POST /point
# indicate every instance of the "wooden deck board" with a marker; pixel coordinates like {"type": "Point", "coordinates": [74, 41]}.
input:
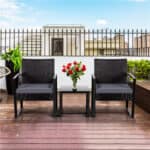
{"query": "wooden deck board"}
{"type": "Point", "coordinates": [36, 129]}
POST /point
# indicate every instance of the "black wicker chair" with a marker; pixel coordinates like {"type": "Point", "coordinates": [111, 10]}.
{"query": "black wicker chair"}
{"type": "Point", "coordinates": [111, 81]}
{"type": "Point", "coordinates": [36, 82]}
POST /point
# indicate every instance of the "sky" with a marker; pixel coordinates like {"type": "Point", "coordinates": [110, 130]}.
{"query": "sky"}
{"type": "Point", "coordinates": [111, 14]}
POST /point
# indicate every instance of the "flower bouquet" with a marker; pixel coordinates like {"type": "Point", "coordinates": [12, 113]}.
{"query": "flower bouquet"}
{"type": "Point", "coordinates": [74, 70]}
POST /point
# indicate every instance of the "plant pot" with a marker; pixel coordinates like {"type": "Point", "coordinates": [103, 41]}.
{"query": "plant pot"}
{"type": "Point", "coordinates": [9, 83]}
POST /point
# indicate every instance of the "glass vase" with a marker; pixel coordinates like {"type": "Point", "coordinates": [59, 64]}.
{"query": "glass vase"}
{"type": "Point", "coordinates": [74, 88]}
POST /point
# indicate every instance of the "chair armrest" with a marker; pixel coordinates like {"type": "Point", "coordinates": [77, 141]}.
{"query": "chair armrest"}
{"type": "Point", "coordinates": [93, 80]}
{"type": "Point", "coordinates": [93, 84]}
{"type": "Point", "coordinates": [131, 76]}
{"type": "Point", "coordinates": [93, 77]}
{"type": "Point", "coordinates": [133, 84]}
{"type": "Point", "coordinates": [54, 77]}
{"type": "Point", "coordinates": [16, 76]}
{"type": "Point", "coordinates": [54, 81]}
{"type": "Point", "coordinates": [15, 82]}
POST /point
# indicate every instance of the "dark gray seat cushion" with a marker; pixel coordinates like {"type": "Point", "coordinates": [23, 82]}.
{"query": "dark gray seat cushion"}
{"type": "Point", "coordinates": [35, 88]}
{"type": "Point", "coordinates": [117, 88]}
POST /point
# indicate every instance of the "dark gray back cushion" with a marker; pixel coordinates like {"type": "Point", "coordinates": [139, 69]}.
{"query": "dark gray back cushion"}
{"type": "Point", "coordinates": [37, 70]}
{"type": "Point", "coordinates": [111, 70]}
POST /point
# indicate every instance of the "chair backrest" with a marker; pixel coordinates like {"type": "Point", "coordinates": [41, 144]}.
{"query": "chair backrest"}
{"type": "Point", "coordinates": [37, 70]}
{"type": "Point", "coordinates": [111, 70]}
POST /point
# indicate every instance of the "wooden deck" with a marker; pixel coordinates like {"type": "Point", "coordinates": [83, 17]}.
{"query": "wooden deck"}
{"type": "Point", "coordinates": [112, 129]}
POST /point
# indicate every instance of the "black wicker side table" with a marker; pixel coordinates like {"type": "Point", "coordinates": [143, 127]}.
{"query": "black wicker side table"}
{"type": "Point", "coordinates": [80, 90]}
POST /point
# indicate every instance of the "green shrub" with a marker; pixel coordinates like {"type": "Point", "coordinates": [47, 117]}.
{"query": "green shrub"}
{"type": "Point", "coordinates": [14, 56]}
{"type": "Point", "coordinates": [140, 68]}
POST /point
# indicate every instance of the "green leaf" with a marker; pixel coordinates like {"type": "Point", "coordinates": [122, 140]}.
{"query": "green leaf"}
{"type": "Point", "coordinates": [15, 56]}
{"type": "Point", "coordinates": [140, 68]}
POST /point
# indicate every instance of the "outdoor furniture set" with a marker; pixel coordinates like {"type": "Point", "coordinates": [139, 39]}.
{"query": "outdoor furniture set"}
{"type": "Point", "coordinates": [111, 81]}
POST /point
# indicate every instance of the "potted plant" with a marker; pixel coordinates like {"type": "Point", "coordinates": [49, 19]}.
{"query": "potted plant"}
{"type": "Point", "coordinates": [13, 60]}
{"type": "Point", "coordinates": [74, 71]}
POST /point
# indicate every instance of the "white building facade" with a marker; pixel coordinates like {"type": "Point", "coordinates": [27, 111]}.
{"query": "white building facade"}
{"type": "Point", "coordinates": [63, 40]}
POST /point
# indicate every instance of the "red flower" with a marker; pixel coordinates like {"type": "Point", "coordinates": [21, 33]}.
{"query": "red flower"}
{"type": "Point", "coordinates": [83, 68]}
{"type": "Point", "coordinates": [63, 70]}
{"type": "Point", "coordinates": [70, 72]}
{"type": "Point", "coordinates": [76, 69]}
{"type": "Point", "coordinates": [69, 64]}
{"type": "Point", "coordinates": [68, 67]}
{"type": "Point", "coordinates": [75, 63]}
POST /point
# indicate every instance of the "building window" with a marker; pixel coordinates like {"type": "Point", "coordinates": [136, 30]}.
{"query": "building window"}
{"type": "Point", "coordinates": [57, 46]}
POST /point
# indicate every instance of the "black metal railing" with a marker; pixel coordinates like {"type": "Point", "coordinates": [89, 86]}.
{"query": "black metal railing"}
{"type": "Point", "coordinates": [76, 42]}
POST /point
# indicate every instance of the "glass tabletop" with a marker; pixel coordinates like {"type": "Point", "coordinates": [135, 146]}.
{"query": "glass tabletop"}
{"type": "Point", "coordinates": [70, 89]}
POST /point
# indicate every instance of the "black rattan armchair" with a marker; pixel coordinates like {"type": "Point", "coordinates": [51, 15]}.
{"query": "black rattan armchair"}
{"type": "Point", "coordinates": [37, 81]}
{"type": "Point", "coordinates": [111, 82]}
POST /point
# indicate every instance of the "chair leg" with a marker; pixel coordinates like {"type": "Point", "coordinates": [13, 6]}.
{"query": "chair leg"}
{"type": "Point", "coordinates": [15, 107]}
{"type": "Point", "coordinates": [127, 102]}
{"type": "Point", "coordinates": [21, 105]}
{"type": "Point", "coordinates": [60, 104]}
{"type": "Point", "coordinates": [133, 108]}
{"type": "Point", "coordinates": [93, 106]}
{"type": "Point", "coordinates": [55, 106]}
